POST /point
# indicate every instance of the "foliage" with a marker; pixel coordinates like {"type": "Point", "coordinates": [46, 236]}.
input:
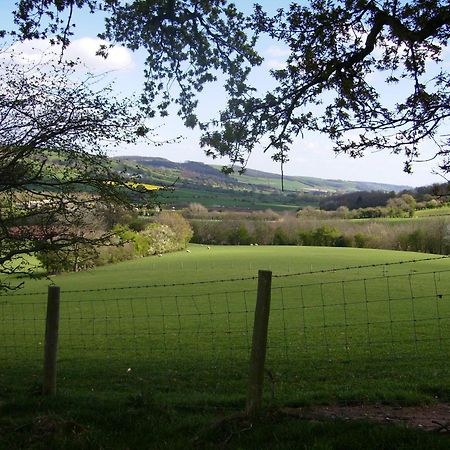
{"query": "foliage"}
{"type": "Point", "coordinates": [112, 254]}
{"type": "Point", "coordinates": [71, 259]}
{"type": "Point", "coordinates": [55, 178]}
{"type": "Point", "coordinates": [195, 209]}
{"type": "Point", "coordinates": [424, 197]}
{"type": "Point", "coordinates": [239, 235]}
{"type": "Point", "coordinates": [171, 232]}
{"type": "Point", "coordinates": [355, 200]}
{"type": "Point", "coordinates": [186, 42]}
{"type": "Point", "coordinates": [321, 236]}
{"type": "Point", "coordinates": [178, 224]}
{"type": "Point", "coordinates": [338, 51]}
{"type": "Point", "coordinates": [345, 58]}
{"type": "Point", "coordinates": [159, 239]}
{"type": "Point", "coordinates": [401, 206]}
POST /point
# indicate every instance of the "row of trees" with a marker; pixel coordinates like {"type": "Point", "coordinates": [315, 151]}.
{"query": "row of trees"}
{"type": "Point", "coordinates": [432, 236]}
{"type": "Point", "coordinates": [401, 206]}
{"type": "Point", "coordinates": [423, 197]}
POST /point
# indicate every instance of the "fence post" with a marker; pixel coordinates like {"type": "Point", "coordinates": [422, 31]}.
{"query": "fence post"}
{"type": "Point", "coordinates": [51, 341]}
{"type": "Point", "coordinates": [259, 343]}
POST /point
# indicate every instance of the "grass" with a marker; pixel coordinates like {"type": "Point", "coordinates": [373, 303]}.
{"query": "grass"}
{"type": "Point", "coordinates": [419, 215]}
{"type": "Point", "coordinates": [442, 211]}
{"type": "Point", "coordinates": [232, 198]}
{"type": "Point", "coordinates": [174, 358]}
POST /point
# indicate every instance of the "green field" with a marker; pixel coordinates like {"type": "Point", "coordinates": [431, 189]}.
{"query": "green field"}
{"type": "Point", "coordinates": [243, 199]}
{"type": "Point", "coordinates": [157, 334]}
{"type": "Point", "coordinates": [435, 212]}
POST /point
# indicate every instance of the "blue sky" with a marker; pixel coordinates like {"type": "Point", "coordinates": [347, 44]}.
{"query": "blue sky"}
{"type": "Point", "coordinates": [310, 156]}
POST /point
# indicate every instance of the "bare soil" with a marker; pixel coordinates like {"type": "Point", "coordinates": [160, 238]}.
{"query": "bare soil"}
{"type": "Point", "coordinates": [434, 417]}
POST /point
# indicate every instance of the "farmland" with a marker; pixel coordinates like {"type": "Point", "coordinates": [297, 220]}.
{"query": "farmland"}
{"type": "Point", "coordinates": [253, 190]}
{"type": "Point", "coordinates": [155, 339]}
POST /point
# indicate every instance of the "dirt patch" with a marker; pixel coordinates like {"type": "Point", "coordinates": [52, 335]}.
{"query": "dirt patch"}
{"type": "Point", "coordinates": [430, 417]}
{"type": "Point", "coordinates": [46, 425]}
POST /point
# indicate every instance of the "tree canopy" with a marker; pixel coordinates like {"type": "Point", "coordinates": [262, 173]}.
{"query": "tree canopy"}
{"type": "Point", "coordinates": [369, 74]}
{"type": "Point", "coordinates": [187, 42]}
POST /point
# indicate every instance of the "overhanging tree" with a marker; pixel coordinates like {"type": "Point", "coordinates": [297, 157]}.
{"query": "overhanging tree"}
{"type": "Point", "coordinates": [369, 74]}
{"type": "Point", "coordinates": [55, 176]}
{"type": "Point", "coordinates": [337, 49]}
{"type": "Point", "coordinates": [187, 42]}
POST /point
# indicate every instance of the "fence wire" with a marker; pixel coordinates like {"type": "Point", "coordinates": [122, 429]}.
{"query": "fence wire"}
{"type": "Point", "coordinates": [378, 317]}
{"type": "Point", "coordinates": [313, 325]}
{"type": "Point", "coordinates": [195, 283]}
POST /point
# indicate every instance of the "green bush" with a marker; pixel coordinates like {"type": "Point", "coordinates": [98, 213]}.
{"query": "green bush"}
{"type": "Point", "coordinates": [114, 254]}
{"type": "Point", "coordinates": [280, 237]}
{"type": "Point", "coordinates": [70, 259]}
{"type": "Point", "coordinates": [239, 235]}
{"type": "Point", "coordinates": [360, 240]}
{"type": "Point", "coordinates": [343, 241]}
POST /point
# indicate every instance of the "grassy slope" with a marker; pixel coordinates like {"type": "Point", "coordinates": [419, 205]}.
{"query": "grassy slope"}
{"type": "Point", "coordinates": [187, 371]}
{"type": "Point", "coordinates": [298, 183]}
{"type": "Point", "coordinates": [201, 183]}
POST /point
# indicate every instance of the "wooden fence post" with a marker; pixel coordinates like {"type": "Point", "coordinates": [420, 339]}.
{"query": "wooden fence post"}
{"type": "Point", "coordinates": [259, 343]}
{"type": "Point", "coordinates": [51, 341]}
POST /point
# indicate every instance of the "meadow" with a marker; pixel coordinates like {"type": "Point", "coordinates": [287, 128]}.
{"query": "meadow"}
{"type": "Point", "coordinates": [164, 339]}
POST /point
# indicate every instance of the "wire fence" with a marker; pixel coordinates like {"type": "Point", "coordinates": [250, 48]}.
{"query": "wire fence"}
{"type": "Point", "coordinates": [377, 317]}
{"type": "Point", "coordinates": [383, 319]}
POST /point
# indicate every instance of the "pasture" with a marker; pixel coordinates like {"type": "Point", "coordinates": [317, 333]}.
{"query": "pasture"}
{"type": "Point", "coordinates": [346, 326]}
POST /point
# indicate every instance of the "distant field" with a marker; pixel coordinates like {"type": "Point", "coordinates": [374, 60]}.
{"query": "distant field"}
{"type": "Point", "coordinates": [445, 211]}
{"type": "Point", "coordinates": [422, 215]}
{"type": "Point", "coordinates": [231, 199]}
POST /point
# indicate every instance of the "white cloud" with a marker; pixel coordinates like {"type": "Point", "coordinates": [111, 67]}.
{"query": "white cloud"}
{"type": "Point", "coordinates": [276, 57]}
{"type": "Point", "coordinates": [275, 64]}
{"type": "Point", "coordinates": [82, 50]}
{"type": "Point", "coordinates": [85, 49]}
{"type": "Point", "coordinates": [275, 51]}
{"type": "Point", "coordinates": [28, 52]}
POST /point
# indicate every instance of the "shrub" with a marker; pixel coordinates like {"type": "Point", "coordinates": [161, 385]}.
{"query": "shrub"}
{"type": "Point", "coordinates": [360, 240]}
{"type": "Point", "coordinates": [413, 241]}
{"type": "Point", "coordinates": [179, 225]}
{"type": "Point", "coordinates": [71, 259]}
{"type": "Point", "coordinates": [160, 239]}
{"type": "Point", "coordinates": [114, 254]}
{"type": "Point", "coordinates": [280, 237]}
{"type": "Point", "coordinates": [239, 235]}
{"type": "Point", "coordinates": [343, 241]}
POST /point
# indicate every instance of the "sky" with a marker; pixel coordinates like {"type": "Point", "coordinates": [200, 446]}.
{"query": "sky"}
{"type": "Point", "coordinates": [310, 156]}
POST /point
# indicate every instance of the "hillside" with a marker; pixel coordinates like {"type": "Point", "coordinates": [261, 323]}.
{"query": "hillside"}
{"type": "Point", "coordinates": [206, 184]}
{"type": "Point", "coordinates": [307, 184]}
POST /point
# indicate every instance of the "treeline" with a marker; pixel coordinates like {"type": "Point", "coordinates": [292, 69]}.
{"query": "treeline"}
{"type": "Point", "coordinates": [401, 206]}
{"type": "Point", "coordinates": [356, 200]}
{"type": "Point", "coordinates": [372, 199]}
{"type": "Point", "coordinates": [430, 236]}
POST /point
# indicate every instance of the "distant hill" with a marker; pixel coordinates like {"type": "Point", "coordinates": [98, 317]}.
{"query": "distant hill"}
{"type": "Point", "coordinates": [206, 184]}
{"type": "Point", "coordinates": [299, 183]}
